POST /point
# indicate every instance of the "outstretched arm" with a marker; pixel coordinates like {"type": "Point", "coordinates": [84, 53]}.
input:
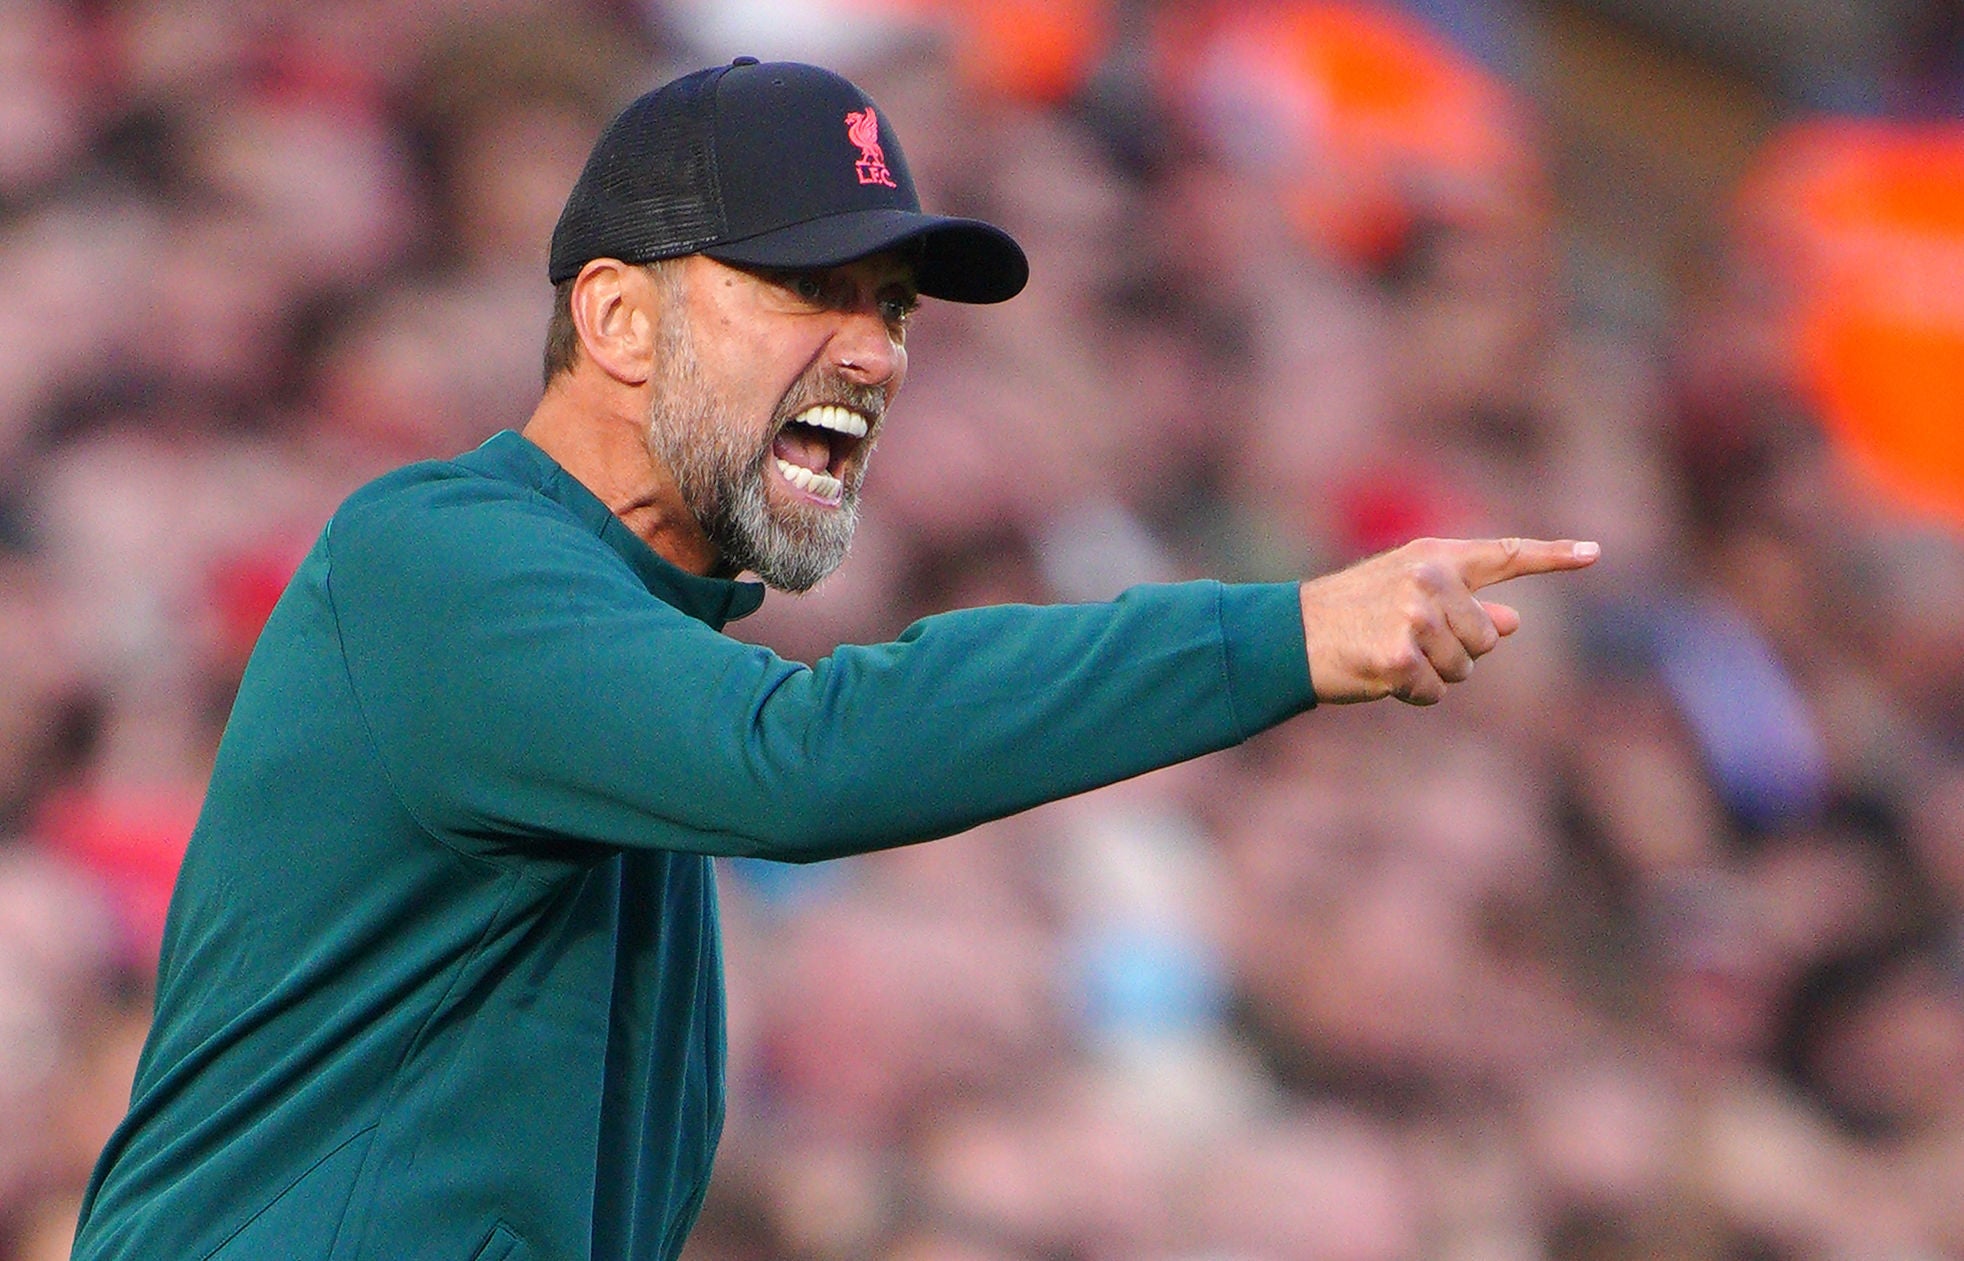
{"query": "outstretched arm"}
{"type": "Point", "coordinates": [1406, 623]}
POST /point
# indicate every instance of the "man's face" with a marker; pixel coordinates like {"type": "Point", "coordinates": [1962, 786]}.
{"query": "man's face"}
{"type": "Point", "coordinates": [767, 400]}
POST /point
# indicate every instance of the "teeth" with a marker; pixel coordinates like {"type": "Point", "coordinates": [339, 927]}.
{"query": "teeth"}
{"type": "Point", "coordinates": [828, 416]}
{"type": "Point", "coordinates": [822, 485]}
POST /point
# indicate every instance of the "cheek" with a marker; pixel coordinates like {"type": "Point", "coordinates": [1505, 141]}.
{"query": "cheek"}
{"type": "Point", "coordinates": [751, 376]}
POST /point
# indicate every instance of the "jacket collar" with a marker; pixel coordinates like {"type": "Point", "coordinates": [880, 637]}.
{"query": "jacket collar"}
{"type": "Point", "coordinates": [514, 458]}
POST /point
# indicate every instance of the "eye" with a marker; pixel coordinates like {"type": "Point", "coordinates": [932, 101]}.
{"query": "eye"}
{"type": "Point", "coordinates": [808, 286]}
{"type": "Point", "coordinates": [896, 307]}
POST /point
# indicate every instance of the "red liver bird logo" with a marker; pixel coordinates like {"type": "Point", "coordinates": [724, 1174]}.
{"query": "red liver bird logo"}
{"type": "Point", "coordinates": [863, 129]}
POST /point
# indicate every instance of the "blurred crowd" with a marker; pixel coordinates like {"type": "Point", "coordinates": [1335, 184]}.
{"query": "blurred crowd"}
{"type": "Point", "coordinates": [1647, 945]}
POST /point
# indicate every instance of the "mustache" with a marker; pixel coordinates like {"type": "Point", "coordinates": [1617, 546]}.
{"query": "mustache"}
{"type": "Point", "coordinates": [868, 400]}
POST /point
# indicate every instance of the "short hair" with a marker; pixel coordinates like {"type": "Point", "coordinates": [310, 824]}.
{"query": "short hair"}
{"type": "Point", "coordinates": [563, 336]}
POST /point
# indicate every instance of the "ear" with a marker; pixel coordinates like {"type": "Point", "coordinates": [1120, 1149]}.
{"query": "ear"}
{"type": "Point", "coordinates": [615, 309]}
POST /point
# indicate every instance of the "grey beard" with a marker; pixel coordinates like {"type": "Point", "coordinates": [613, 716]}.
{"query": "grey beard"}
{"type": "Point", "coordinates": [791, 551]}
{"type": "Point", "coordinates": [723, 485]}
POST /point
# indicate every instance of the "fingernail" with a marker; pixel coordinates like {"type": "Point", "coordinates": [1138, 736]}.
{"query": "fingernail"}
{"type": "Point", "coordinates": [1588, 551]}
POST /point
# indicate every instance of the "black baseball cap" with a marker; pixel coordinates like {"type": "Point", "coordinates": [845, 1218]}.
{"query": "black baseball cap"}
{"type": "Point", "coordinates": [769, 164]}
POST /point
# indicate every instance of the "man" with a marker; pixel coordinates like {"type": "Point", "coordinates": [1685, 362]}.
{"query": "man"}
{"type": "Point", "coordinates": [442, 977]}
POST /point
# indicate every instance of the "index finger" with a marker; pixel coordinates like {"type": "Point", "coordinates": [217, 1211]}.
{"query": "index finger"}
{"type": "Point", "coordinates": [1483, 562]}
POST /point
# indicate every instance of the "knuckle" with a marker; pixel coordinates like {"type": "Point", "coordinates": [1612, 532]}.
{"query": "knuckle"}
{"type": "Point", "coordinates": [1418, 552]}
{"type": "Point", "coordinates": [1402, 662]}
{"type": "Point", "coordinates": [1420, 694]}
{"type": "Point", "coordinates": [1429, 577]}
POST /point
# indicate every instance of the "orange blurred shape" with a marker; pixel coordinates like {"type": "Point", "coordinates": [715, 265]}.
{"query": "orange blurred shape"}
{"type": "Point", "coordinates": [1364, 117]}
{"type": "Point", "coordinates": [1867, 220]}
{"type": "Point", "coordinates": [1040, 51]}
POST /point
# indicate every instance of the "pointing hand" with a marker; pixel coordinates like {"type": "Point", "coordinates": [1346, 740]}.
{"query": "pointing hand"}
{"type": "Point", "coordinates": [1406, 623]}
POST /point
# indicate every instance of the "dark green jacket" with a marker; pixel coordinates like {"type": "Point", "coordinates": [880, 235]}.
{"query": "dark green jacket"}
{"type": "Point", "coordinates": [442, 979]}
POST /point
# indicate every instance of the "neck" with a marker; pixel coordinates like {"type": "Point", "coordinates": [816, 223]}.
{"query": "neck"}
{"type": "Point", "coordinates": [593, 435]}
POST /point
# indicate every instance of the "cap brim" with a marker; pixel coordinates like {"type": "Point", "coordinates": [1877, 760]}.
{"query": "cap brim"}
{"type": "Point", "coordinates": [962, 260]}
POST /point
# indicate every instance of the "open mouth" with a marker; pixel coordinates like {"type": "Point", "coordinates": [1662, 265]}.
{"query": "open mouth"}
{"type": "Point", "coordinates": [813, 447]}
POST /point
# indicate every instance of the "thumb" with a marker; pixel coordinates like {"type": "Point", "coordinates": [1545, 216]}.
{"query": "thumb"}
{"type": "Point", "coordinates": [1506, 619]}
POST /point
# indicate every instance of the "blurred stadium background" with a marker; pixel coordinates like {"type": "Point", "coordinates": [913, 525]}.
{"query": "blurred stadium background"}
{"type": "Point", "coordinates": [1646, 945]}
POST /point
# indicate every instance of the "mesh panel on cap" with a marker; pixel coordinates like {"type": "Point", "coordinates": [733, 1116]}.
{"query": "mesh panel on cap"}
{"type": "Point", "coordinates": [650, 189]}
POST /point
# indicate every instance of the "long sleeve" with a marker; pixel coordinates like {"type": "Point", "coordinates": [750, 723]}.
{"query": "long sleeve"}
{"type": "Point", "coordinates": [522, 683]}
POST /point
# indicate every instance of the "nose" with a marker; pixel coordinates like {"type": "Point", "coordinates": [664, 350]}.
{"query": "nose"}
{"type": "Point", "coordinates": [868, 351]}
